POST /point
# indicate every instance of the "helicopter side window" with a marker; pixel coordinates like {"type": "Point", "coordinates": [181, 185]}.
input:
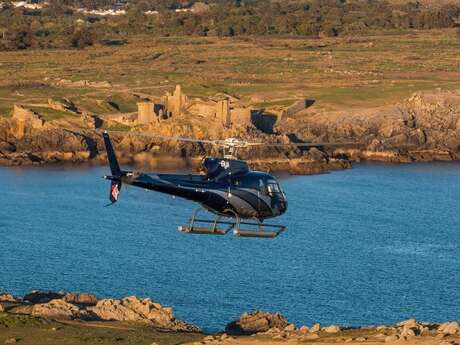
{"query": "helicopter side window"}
{"type": "Point", "coordinates": [263, 187]}
{"type": "Point", "coordinates": [237, 182]}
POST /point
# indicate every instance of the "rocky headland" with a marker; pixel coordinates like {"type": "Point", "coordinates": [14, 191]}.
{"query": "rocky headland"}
{"type": "Point", "coordinates": [76, 318]}
{"type": "Point", "coordinates": [425, 127]}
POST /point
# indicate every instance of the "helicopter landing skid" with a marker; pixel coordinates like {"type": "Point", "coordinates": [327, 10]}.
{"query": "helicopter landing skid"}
{"type": "Point", "coordinates": [222, 227]}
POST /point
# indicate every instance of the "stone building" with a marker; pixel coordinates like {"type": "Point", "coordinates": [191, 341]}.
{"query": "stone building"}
{"type": "Point", "coordinates": [175, 102]}
{"type": "Point", "coordinates": [146, 113]}
{"type": "Point", "coordinates": [221, 112]}
{"type": "Point", "coordinates": [25, 118]}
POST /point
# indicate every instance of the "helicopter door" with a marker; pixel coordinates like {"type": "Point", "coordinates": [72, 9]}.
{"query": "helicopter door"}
{"type": "Point", "coordinates": [263, 187]}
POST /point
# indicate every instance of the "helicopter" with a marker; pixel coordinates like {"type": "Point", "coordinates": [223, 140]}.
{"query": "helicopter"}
{"type": "Point", "coordinates": [240, 199]}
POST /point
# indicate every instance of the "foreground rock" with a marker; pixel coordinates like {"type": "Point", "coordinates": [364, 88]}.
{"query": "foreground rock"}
{"type": "Point", "coordinates": [139, 310]}
{"type": "Point", "coordinates": [264, 328]}
{"type": "Point", "coordinates": [255, 322]}
{"type": "Point", "coordinates": [86, 307]}
{"type": "Point", "coordinates": [6, 297]}
{"type": "Point", "coordinates": [60, 309]}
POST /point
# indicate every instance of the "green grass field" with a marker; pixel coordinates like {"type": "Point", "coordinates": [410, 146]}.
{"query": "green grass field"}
{"type": "Point", "coordinates": [336, 72]}
{"type": "Point", "coordinates": [29, 330]}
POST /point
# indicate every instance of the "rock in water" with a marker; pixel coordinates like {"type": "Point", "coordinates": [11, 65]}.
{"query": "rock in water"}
{"type": "Point", "coordinates": [256, 322]}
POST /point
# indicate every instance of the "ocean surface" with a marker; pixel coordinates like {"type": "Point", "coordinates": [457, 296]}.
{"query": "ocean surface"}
{"type": "Point", "coordinates": [372, 245]}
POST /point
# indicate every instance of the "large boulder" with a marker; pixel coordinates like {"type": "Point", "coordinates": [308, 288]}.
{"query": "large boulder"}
{"type": "Point", "coordinates": [58, 309]}
{"type": "Point", "coordinates": [255, 322]}
{"type": "Point", "coordinates": [82, 299]}
{"type": "Point", "coordinates": [140, 310]}
{"type": "Point", "coordinates": [6, 297]}
{"type": "Point", "coordinates": [449, 328]}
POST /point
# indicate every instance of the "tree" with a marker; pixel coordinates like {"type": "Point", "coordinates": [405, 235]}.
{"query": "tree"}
{"type": "Point", "coordinates": [81, 37]}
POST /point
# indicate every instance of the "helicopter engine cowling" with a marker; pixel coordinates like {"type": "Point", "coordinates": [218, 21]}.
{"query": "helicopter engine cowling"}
{"type": "Point", "coordinates": [219, 168]}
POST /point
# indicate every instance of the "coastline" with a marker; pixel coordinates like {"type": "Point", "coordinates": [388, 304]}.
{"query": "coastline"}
{"type": "Point", "coordinates": [59, 317]}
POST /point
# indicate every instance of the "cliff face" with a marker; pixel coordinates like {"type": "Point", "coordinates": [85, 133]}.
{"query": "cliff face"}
{"type": "Point", "coordinates": [423, 128]}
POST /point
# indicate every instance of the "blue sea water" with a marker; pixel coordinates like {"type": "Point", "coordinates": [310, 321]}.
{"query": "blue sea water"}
{"type": "Point", "coordinates": [370, 245]}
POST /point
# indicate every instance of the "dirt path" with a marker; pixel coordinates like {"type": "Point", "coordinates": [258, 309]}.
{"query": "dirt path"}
{"type": "Point", "coordinates": [97, 324]}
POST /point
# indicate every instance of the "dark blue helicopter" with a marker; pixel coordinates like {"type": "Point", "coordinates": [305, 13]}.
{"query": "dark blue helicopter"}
{"type": "Point", "coordinates": [228, 188]}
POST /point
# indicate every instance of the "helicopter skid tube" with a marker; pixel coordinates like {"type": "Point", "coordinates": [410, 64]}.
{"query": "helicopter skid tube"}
{"type": "Point", "coordinates": [201, 230]}
{"type": "Point", "coordinates": [220, 227]}
{"type": "Point", "coordinates": [262, 231]}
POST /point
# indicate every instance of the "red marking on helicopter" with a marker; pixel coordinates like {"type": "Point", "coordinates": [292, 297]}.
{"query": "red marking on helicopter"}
{"type": "Point", "coordinates": [115, 191]}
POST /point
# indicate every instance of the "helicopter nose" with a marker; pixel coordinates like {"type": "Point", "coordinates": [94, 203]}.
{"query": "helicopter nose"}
{"type": "Point", "coordinates": [283, 206]}
{"type": "Point", "coordinates": [280, 206]}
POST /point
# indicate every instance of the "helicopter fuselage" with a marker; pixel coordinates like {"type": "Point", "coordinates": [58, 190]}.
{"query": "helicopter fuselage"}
{"type": "Point", "coordinates": [249, 194]}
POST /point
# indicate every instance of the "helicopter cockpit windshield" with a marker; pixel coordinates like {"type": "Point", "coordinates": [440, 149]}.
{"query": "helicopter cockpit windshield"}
{"type": "Point", "coordinates": [273, 187]}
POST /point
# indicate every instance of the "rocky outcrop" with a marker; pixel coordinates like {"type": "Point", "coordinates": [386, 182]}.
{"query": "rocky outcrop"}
{"type": "Point", "coordinates": [424, 127]}
{"type": "Point", "coordinates": [256, 322]}
{"type": "Point", "coordinates": [84, 306]}
{"type": "Point", "coordinates": [60, 309]}
{"type": "Point", "coordinates": [449, 328]}
{"type": "Point", "coordinates": [140, 310]}
{"type": "Point", "coordinates": [6, 297]}
{"type": "Point", "coordinates": [82, 299]}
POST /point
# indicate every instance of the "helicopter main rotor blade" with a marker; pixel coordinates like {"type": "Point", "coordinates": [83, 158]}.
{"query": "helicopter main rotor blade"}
{"type": "Point", "coordinates": [232, 142]}
{"type": "Point", "coordinates": [301, 144]}
{"type": "Point", "coordinates": [166, 138]}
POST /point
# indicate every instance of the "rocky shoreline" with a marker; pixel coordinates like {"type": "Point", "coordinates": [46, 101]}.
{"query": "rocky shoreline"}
{"type": "Point", "coordinates": [257, 327]}
{"type": "Point", "coordinates": [425, 127]}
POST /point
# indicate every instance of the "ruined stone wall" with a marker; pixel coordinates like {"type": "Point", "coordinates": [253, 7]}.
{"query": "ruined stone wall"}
{"type": "Point", "coordinates": [176, 102]}
{"type": "Point", "coordinates": [297, 107]}
{"type": "Point", "coordinates": [23, 118]}
{"type": "Point", "coordinates": [241, 116]}
{"type": "Point", "coordinates": [203, 108]}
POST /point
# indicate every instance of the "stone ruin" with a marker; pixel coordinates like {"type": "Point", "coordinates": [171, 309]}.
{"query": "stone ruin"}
{"type": "Point", "coordinates": [178, 104]}
{"type": "Point", "coordinates": [63, 105]}
{"type": "Point", "coordinates": [222, 111]}
{"type": "Point", "coordinates": [24, 118]}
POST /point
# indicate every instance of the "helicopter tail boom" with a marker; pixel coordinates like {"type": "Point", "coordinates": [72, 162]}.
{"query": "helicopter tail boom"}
{"type": "Point", "coordinates": [117, 173]}
{"type": "Point", "coordinates": [112, 158]}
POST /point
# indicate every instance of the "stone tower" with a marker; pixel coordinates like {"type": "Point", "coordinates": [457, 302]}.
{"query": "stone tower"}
{"type": "Point", "coordinates": [223, 112]}
{"type": "Point", "coordinates": [145, 113]}
{"type": "Point", "coordinates": [175, 103]}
